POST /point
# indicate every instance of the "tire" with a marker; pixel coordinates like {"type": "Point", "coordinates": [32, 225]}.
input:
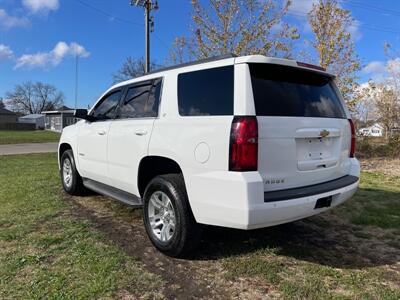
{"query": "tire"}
{"type": "Point", "coordinates": [184, 236]}
{"type": "Point", "coordinates": [70, 178]}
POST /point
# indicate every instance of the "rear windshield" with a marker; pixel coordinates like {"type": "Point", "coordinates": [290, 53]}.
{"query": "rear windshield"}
{"type": "Point", "coordinates": [292, 92]}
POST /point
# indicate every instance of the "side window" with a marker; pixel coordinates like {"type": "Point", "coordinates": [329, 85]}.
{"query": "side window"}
{"type": "Point", "coordinates": [206, 92]}
{"type": "Point", "coordinates": [141, 100]}
{"type": "Point", "coordinates": [106, 109]}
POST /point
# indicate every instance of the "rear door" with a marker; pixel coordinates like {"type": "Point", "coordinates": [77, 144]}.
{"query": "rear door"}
{"type": "Point", "coordinates": [130, 133]}
{"type": "Point", "coordinates": [304, 133]}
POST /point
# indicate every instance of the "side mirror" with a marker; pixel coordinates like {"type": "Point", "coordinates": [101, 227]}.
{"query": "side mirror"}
{"type": "Point", "coordinates": [83, 114]}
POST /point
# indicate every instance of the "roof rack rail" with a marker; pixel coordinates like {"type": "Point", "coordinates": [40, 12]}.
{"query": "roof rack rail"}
{"type": "Point", "coordinates": [192, 63]}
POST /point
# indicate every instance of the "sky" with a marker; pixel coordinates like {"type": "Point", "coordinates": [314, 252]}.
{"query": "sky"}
{"type": "Point", "coordinates": [39, 39]}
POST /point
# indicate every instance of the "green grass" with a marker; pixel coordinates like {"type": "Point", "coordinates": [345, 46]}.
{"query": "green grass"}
{"type": "Point", "coordinates": [377, 203]}
{"type": "Point", "coordinates": [351, 252]}
{"type": "Point", "coordinates": [21, 136]}
{"type": "Point", "coordinates": [47, 253]}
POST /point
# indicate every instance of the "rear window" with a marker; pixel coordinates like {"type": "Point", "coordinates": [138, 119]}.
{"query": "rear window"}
{"type": "Point", "coordinates": [292, 92]}
{"type": "Point", "coordinates": [206, 92]}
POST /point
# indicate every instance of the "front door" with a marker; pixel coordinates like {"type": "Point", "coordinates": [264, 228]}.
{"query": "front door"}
{"type": "Point", "coordinates": [93, 139]}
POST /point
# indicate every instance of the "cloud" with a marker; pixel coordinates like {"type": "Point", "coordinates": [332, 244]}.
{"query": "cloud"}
{"type": "Point", "coordinates": [302, 6]}
{"type": "Point", "coordinates": [354, 30]}
{"type": "Point", "coordinates": [53, 58]}
{"type": "Point", "coordinates": [393, 65]}
{"type": "Point", "coordinates": [5, 52]}
{"type": "Point", "coordinates": [299, 9]}
{"type": "Point", "coordinates": [379, 70]}
{"type": "Point", "coordinates": [375, 67]}
{"type": "Point", "coordinates": [7, 21]}
{"type": "Point", "coordinates": [41, 6]}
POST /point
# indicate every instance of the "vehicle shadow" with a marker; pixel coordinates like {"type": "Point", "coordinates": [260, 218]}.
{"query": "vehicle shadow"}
{"type": "Point", "coordinates": [328, 239]}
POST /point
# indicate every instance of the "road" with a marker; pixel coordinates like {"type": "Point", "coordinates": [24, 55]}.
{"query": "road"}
{"type": "Point", "coordinates": [28, 148]}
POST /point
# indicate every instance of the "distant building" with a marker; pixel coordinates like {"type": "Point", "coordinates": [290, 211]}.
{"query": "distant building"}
{"type": "Point", "coordinates": [56, 120]}
{"type": "Point", "coordinates": [36, 119]}
{"type": "Point", "coordinates": [7, 116]}
{"type": "Point", "coordinates": [375, 130]}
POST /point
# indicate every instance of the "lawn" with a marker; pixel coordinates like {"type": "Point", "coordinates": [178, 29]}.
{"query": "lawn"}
{"type": "Point", "coordinates": [56, 246]}
{"type": "Point", "coordinates": [22, 136]}
{"type": "Point", "coordinates": [45, 252]}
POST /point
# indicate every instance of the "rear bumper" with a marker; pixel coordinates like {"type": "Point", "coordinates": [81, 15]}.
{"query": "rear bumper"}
{"type": "Point", "coordinates": [237, 200]}
{"type": "Point", "coordinates": [284, 211]}
{"type": "Point", "coordinates": [310, 190]}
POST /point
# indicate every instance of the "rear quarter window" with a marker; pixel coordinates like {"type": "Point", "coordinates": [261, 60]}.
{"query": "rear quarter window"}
{"type": "Point", "coordinates": [292, 92]}
{"type": "Point", "coordinates": [206, 92]}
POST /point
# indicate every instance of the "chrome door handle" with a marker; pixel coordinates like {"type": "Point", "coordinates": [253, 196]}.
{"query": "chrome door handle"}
{"type": "Point", "coordinates": [101, 132]}
{"type": "Point", "coordinates": [140, 132]}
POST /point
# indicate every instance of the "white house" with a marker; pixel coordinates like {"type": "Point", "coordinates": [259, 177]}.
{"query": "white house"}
{"type": "Point", "coordinates": [375, 130]}
{"type": "Point", "coordinates": [56, 120]}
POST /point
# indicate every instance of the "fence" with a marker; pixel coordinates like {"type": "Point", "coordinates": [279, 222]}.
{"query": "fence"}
{"type": "Point", "coordinates": [17, 126]}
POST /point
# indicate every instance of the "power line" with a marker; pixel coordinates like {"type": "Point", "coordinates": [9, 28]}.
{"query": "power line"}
{"type": "Point", "coordinates": [372, 27]}
{"type": "Point", "coordinates": [370, 7]}
{"type": "Point", "coordinates": [103, 12]}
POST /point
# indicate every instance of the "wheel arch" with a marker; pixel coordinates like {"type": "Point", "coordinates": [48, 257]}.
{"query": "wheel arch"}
{"type": "Point", "coordinates": [152, 166]}
{"type": "Point", "coordinates": [61, 149]}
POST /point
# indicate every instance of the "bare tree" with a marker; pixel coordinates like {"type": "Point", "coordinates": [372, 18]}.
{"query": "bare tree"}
{"type": "Point", "coordinates": [239, 27]}
{"type": "Point", "coordinates": [131, 68]}
{"type": "Point", "coordinates": [181, 51]}
{"type": "Point", "coordinates": [2, 105]}
{"type": "Point", "coordinates": [335, 46]}
{"type": "Point", "coordinates": [365, 108]}
{"type": "Point", "coordinates": [31, 98]}
{"type": "Point", "coordinates": [388, 108]}
{"type": "Point", "coordinates": [393, 68]}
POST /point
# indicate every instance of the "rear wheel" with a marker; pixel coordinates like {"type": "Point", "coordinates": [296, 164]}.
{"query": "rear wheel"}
{"type": "Point", "coordinates": [168, 218]}
{"type": "Point", "coordinates": [71, 180]}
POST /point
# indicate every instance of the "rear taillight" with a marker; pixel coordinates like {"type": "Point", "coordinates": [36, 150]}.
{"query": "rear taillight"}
{"type": "Point", "coordinates": [353, 139]}
{"type": "Point", "coordinates": [243, 152]}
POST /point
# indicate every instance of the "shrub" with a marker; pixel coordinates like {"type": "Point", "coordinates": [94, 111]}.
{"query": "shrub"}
{"type": "Point", "coordinates": [372, 147]}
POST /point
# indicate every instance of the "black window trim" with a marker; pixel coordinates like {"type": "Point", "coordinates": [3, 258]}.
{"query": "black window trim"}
{"type": "Point", "coordinates": [134, 84]}
{"type": "Point", "coordinates": [113, 91]}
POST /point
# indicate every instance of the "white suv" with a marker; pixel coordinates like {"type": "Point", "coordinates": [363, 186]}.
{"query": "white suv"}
{"type": "Point", "coordinates": [241, 142]}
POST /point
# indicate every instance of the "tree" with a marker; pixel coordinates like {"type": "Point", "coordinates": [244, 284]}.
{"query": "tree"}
{"type": "Point", "coordinates": [33, 98]}
{"type": "Point", "coordinates": [131, 68]}
{"type": "Point", "coordinates": [334, 45]}
{"type": "Point", "coordinates": [2, 105]}
{"type": "Point", "coordinates": [393, 67]}
{"type": "Point", "coordinates": [239, 27]}
{"type": "Point", "coordinates": [379, 102]}
{"type": "Point", "coordinates": [365, 108]}
{"type": "Point", "coordinates": [388, 108]}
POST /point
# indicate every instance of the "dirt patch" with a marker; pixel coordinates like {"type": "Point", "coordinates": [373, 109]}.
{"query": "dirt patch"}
{"type": "Point", "coordinates": [387, 166]}
{"type": "Point", "coordinates": [184, 279]}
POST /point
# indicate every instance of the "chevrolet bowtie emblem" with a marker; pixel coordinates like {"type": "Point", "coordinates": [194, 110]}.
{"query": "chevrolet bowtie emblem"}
{"type": "Point", "coordinates": [324, 133]}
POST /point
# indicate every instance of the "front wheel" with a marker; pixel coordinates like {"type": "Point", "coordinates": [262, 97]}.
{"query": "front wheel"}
{"type": "Point", "coordinates": [71, 180]}
{"type": "Point", "coordinates": [168, 218]}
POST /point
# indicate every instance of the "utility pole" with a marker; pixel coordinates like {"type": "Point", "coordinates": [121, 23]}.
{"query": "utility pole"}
{"type": "Point", "coordinates": [76, 80]}
{"type": "Point", "coordinates": [148, 6]}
